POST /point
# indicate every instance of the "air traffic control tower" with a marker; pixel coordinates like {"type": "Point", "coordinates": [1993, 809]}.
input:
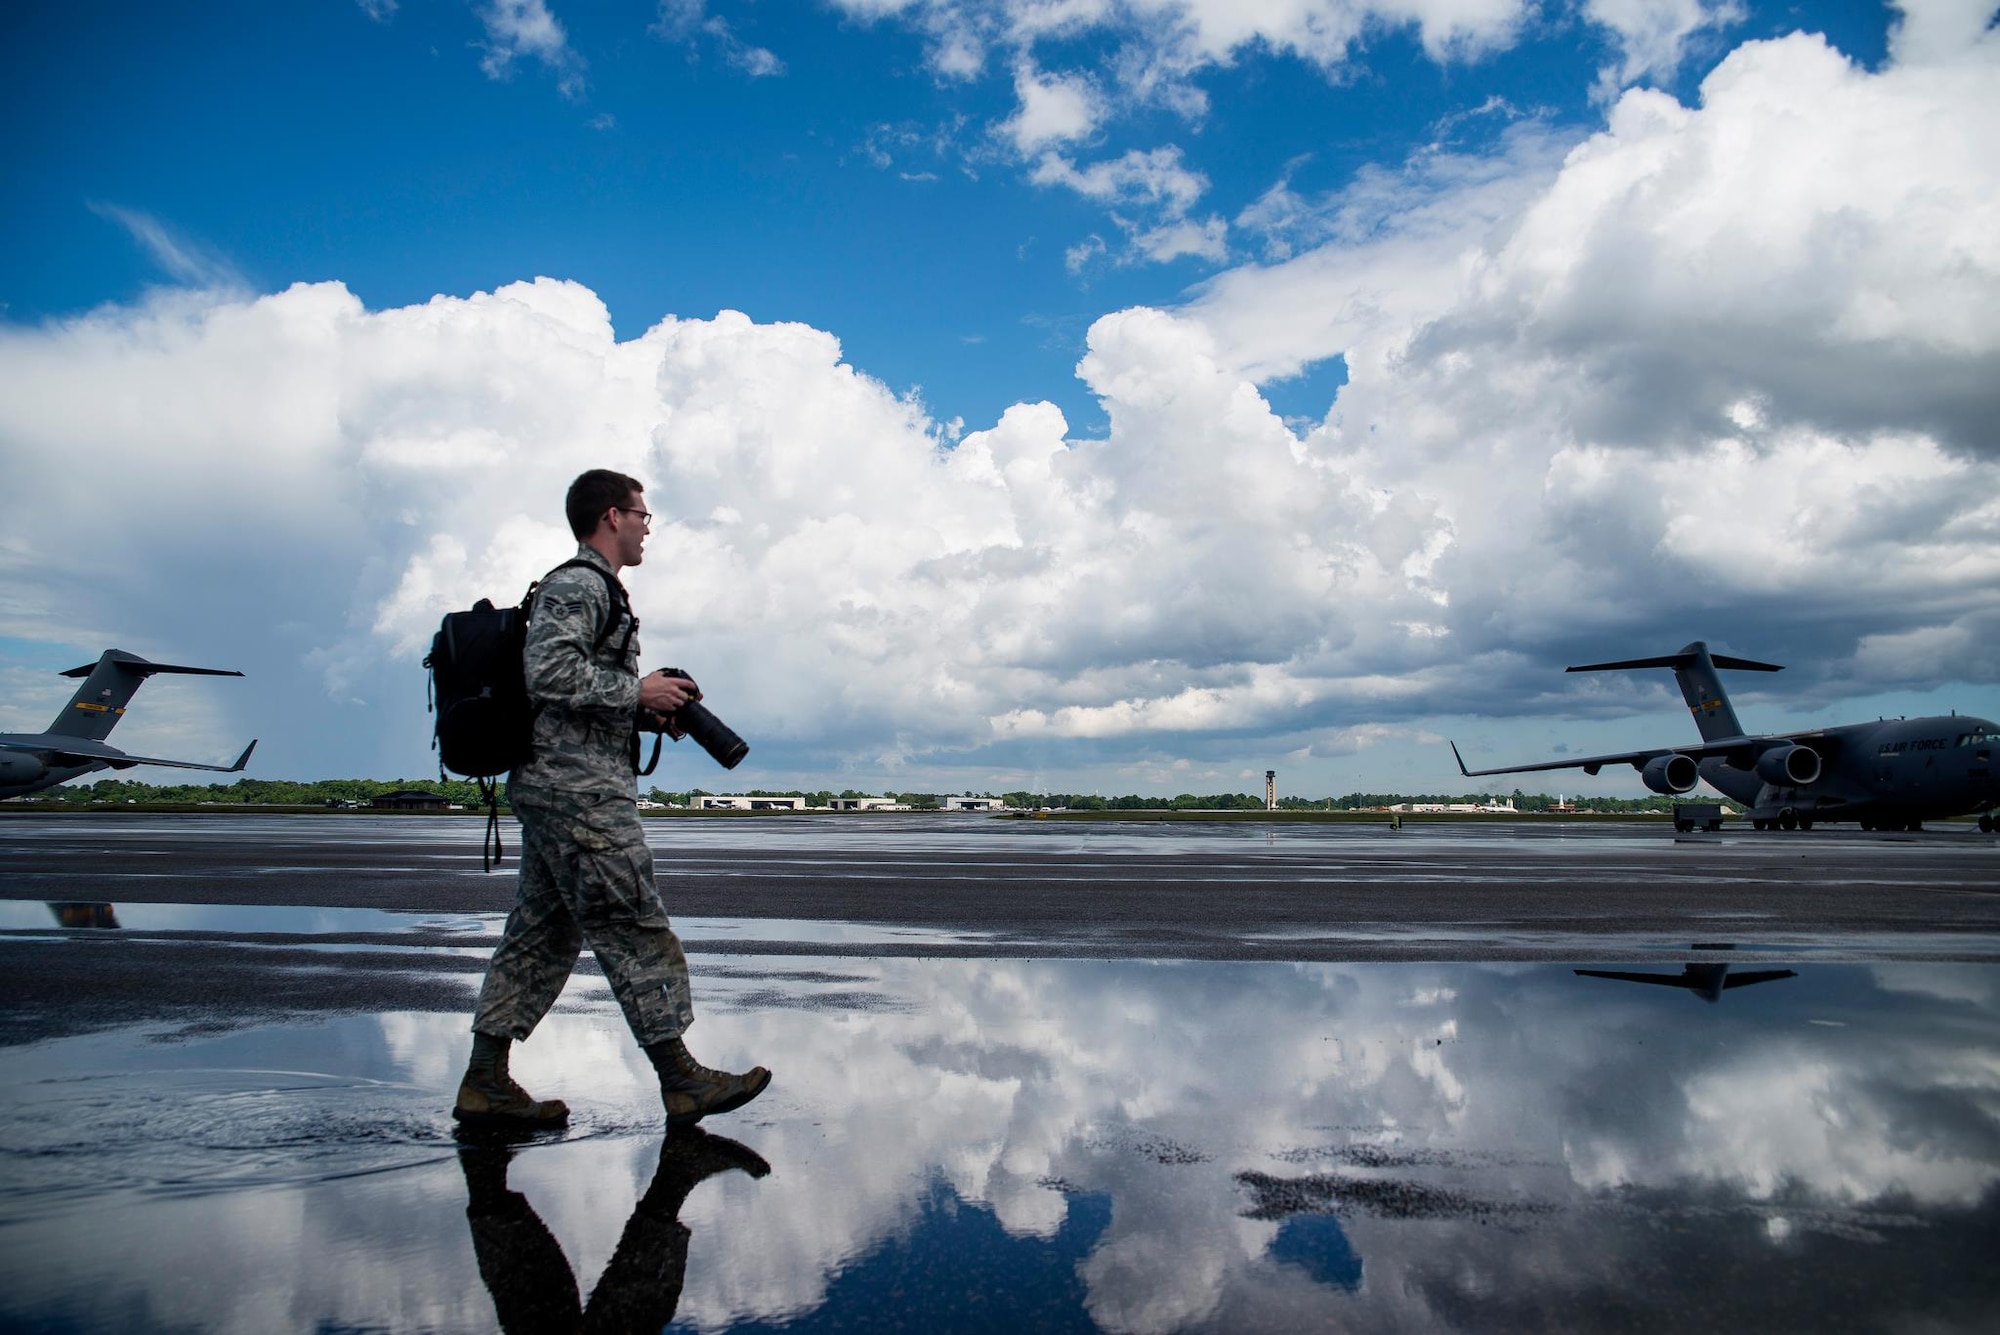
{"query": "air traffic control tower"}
{"type": "Point", "coordinates": [1270, 790]}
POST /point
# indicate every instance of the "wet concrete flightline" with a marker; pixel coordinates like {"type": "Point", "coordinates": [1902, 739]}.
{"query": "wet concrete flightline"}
{"type": "Point", "coordinates": [1131, 889]}
{"type": "Point", "coordinates": [1095, 1077]}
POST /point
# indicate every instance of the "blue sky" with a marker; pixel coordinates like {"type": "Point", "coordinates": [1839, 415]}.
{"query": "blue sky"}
{"type": "Point", "coordinates": [1525, 223]}
{"type": "Point", "coordinates": [288, 143]}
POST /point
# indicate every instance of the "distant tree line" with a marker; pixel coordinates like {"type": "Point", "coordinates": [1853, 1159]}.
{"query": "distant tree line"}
{"type": "Point", "coordinates": [340, 792]}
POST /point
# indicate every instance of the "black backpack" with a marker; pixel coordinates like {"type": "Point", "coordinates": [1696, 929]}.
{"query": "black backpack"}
{"type": "Point", "coordinates": [478, 690]}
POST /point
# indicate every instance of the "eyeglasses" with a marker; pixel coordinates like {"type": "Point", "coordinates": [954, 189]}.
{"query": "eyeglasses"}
{"type": "Point", "coordinates": [645, 516]}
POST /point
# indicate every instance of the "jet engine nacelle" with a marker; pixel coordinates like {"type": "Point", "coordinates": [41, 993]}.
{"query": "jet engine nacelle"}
{"type": "Point", "coordinates": [1791, 766]}
{"type": "Point", "coordinates": [1670, 774]}
{"type": "Point", "coordinates": [21, 767]}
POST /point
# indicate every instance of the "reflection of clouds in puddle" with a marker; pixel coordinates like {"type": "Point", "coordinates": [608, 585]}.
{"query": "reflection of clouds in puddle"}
{"type": "Point", "coordinates": [235, 1255]}
{"type": "Point", "coordinates": [1470, 1131]}
{"type": "Point", "coordinates": [1155, 1084]}
{"type": "Point", "coordinates": [416, 1043]}
{"type": "Point", "coordinates": [856, 1131]}
{"type": "Point", "coordinates": [1970, 984]}
{"type": "Point", "coordinates": [1796, 1117]}
{"type": "Point", "coordinates": [1886, 1108]}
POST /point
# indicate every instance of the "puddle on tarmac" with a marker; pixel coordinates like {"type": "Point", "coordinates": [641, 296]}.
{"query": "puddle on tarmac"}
{"type": "Point", "coordinates": [999, 1144]}
{"type": "Point", "coordinates": [30, 916]}
{"type": "Point", "coordinates": [237, 919]}
{"type": "Point", "coordinates": [418, 839]}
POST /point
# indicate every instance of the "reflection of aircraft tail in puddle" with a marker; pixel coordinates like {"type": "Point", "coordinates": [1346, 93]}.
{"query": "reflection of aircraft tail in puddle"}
{"type": "Point", "coordinates": [84, 915]}
{"type": "Point", "coordinates": [530, 1279]}
{"type": "Point", "coordinates": [1707, 979]}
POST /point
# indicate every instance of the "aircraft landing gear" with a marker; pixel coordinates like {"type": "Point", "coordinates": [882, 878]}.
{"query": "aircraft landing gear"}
{"type": "Point", "coordinates": [1986, 823]}
{"type": "Point", "coordinates": [1788, 819]}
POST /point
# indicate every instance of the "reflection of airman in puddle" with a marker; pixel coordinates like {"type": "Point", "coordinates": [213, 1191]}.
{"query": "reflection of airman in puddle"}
{"type": "Point", "coordinates": [525, 1270]}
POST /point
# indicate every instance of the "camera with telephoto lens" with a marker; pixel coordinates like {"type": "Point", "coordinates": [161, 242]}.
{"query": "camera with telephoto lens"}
{"type": "Point", "coordinates": [693, 719]}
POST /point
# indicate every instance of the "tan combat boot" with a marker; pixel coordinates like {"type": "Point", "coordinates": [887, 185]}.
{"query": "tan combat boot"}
{"type": "Point", "coordinates": [488, 1096]}
{"type": "Point", "coordinates": [692, 1091]}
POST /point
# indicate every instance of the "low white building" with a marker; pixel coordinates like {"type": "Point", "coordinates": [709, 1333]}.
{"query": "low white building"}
{"type": "Point", "coordinates": [1458, 808]}
{"type": "Point", "coordinates": [973, 804]}
{"type": "Point", "coordinates": [865, 804]}
{"type": "Point", "coordinates": [728, 802]}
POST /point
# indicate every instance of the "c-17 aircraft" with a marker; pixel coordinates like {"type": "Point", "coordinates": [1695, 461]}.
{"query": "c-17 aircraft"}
{"type": "Point", "coordinates": [1893, 774]}
{"type": "Point", "coordinates": [74, 743]}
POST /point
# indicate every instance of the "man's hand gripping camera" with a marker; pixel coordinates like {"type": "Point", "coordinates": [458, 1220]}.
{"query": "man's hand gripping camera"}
{"type": "Point", "coordinates": [693, 719]}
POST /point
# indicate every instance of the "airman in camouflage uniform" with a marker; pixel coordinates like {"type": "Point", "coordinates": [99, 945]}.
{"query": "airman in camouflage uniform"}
{"type": "Point", "coordinates": [586, 872]}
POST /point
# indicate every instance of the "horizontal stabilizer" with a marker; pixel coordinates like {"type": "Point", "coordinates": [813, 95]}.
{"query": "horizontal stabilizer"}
{"type": "Point", "coordinates": [1679, 660]}
{"type": "Point", "coordinates": [140, 667]}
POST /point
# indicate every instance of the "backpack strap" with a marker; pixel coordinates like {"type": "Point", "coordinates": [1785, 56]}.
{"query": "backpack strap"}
{"type": "Point", "coordinates": [620, 601]}
{"type": "Point", "coordinates": [490, 851]}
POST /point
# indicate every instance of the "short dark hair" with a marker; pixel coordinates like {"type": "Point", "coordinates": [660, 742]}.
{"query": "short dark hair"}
{"type": "Point", "coordinates": [592, 494]}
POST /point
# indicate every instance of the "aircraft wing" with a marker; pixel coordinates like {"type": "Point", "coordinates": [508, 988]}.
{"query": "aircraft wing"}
{"type": "Point", "coordinates": [77, 751]}
{"type": "Point", "coordinates": [1589, 764]}
{"type": "Point", "coordinates": [1739, 750]}
{"type": "Point", "coordinates": [235, 767]}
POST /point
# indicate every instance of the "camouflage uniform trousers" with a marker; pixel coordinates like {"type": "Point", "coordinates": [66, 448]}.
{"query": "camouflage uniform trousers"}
{"type": "Point", "coordinates": [586, 879]}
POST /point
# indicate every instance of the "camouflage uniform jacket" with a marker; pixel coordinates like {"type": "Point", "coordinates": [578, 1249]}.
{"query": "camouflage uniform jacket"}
{"type": "Point", "coordinates": [588, 696]}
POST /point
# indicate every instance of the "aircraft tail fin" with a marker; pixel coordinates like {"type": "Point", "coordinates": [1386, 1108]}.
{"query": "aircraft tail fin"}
{"type": "Point", "coordinates": [108, 685]}
{"type": "Point", "coordinates": [1694, 669]}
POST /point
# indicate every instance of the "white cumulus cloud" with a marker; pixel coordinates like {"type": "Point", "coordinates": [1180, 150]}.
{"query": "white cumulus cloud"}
{"type": "Point", "coordinates": [1719, 368]}
{"type": "Point", "coordinates": [1149, 194]}
{"type": "Point", "coordinates": [688, 21]}
{"type": "Point", "coordinates": [1055, 108]}
{"type": "Point", "coordinates": [1653, 35]}
{"type": "Point", "coordinates": [516, 28]}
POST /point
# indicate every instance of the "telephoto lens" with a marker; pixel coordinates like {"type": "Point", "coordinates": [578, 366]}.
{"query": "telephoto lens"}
{"type": "Point", "coordinates": [715, 736]}
{"type": "Point", "coordinates": [694, 720]}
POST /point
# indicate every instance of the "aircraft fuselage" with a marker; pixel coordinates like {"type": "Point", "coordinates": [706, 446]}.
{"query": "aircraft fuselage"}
{"type": "Point", "coordinates": [1890, 773]}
